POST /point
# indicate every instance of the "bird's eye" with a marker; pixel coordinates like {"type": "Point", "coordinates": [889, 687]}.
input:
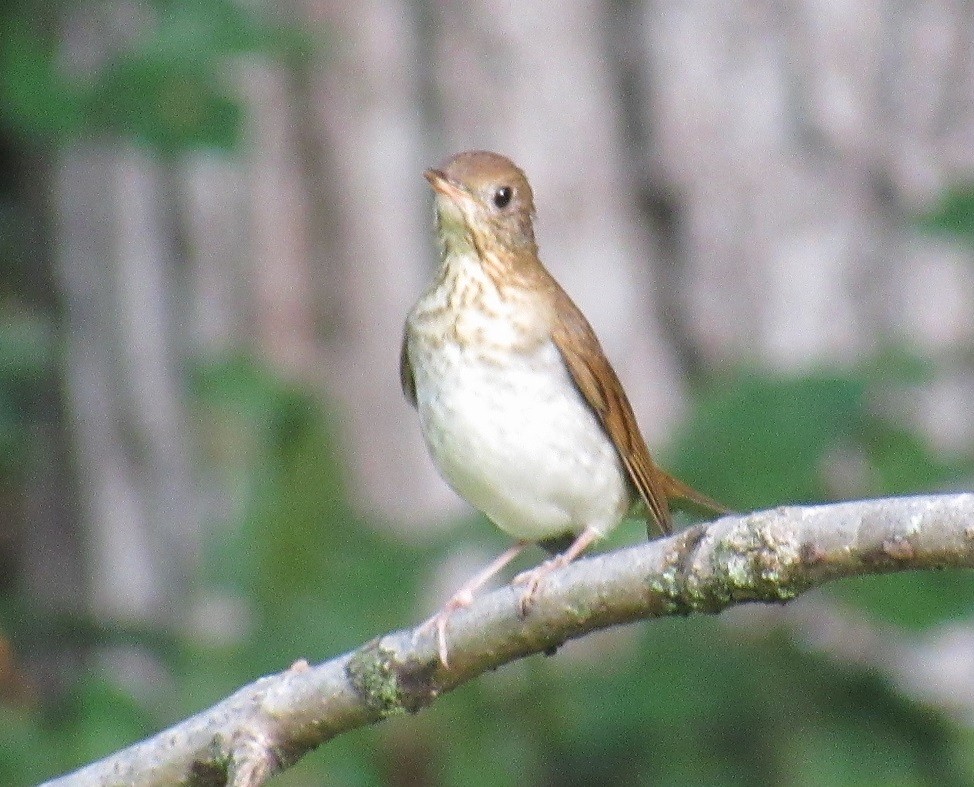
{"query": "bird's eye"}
{"type": "Point", "coordinates": [502, 196]}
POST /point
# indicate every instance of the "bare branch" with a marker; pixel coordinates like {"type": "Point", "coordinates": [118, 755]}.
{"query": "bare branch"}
{"type": "Point", "coordinates": [769, 556]}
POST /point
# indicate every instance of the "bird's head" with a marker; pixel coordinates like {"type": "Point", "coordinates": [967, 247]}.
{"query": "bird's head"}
{"type": "Point", "coordinates": [483, 200]}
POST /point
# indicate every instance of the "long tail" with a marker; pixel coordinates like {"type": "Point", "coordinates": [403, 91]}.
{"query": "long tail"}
{"type": "Point", "coordinates": [677, 490]}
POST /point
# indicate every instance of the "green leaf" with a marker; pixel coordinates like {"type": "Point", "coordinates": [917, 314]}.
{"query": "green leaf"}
{"type": "Point", "coordinates": [171, 105]}
{"type": "Point", "coordinates": [37, 100]}
{"type": "Point", "coordinates": [953, 214]}
{"type": "Point", "coordinates": [168, 86]}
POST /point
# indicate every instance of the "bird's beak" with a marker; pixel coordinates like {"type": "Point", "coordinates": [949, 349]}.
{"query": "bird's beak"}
{"type": "Point", "coordinates": [443, 185]}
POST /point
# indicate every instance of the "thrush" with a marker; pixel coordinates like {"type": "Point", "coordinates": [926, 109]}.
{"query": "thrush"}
{"type": "Point", "coordinates": [519, 406]}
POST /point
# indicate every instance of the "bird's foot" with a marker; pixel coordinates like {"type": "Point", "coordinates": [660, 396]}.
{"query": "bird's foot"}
{"type": "Point", "coordinates": [461, 600]}
{"type": "Point", "coordinates": [532, 579]}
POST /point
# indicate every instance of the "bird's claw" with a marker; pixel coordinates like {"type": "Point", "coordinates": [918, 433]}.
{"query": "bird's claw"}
{"type": "Point", "coordinates": [461, 600]}
{"type": "Point", "coordinates": [532, 580]}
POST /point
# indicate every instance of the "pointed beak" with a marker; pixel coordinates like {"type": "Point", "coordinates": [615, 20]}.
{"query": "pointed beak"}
{"type": "Point", "coordinates": [443, 185]}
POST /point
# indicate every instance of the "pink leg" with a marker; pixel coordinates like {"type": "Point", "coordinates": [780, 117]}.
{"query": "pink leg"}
{"type": "Point", "coordinates": [533, 578]}
{"type": "Point", "coordinates": [464, 597]}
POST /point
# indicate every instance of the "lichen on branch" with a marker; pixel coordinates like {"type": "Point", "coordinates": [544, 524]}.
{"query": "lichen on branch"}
{"type": "Point", "coordinates": [767, 556]}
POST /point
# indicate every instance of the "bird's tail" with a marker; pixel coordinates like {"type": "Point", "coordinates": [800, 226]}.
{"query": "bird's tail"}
{"type": "Point", "coordinates": [677, 490]}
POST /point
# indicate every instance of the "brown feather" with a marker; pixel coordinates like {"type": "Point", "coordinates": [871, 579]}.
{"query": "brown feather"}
{"type": "Point", "coordinates": [599, 384]}
{"type": "Point", "coordinates": [678, 490]}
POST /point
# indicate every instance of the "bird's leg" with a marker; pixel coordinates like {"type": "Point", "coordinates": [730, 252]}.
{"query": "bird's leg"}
{"type": "Point", "coordinates": [533, 578]}
{"type": "Point", "coordinates": [464, 597]}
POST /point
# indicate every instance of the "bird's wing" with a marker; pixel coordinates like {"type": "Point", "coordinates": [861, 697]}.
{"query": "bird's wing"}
{"type": "Point", "coordinates": [598, 383]}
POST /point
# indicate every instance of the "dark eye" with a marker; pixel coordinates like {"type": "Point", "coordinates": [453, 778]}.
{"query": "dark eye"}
{"type": "Point", "coordinates": [502, 196]}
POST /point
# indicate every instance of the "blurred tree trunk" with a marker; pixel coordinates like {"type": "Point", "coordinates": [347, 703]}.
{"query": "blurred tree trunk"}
{"type": "Point", "coordinates": [53, 573]}
{"type": "Point", "coordinates": [50, 568]}
{"type": "Point", "coordinates": [125, 388]}
{"type": "Point", "coordinates": [367, 100]}
{"type": "Point", "coordinates": [281, 276]}
{"type": "Point", "coordinates": [212, 199]}
{"type": "Point", "coordinates": [797, 145]}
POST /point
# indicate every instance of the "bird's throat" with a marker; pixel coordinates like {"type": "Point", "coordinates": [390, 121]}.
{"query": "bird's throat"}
{"type": "Point", "coordinates": [476, 304]}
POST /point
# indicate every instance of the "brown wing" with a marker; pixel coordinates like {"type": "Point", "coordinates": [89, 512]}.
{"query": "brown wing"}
{"type": "Point", "coordinates": [406, 374]}
{"type": "Point", "coordinates": [598, 383]}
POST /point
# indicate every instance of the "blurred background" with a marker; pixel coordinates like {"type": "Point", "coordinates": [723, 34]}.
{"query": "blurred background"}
{"type": "Point", "coordinates": [212, 224]}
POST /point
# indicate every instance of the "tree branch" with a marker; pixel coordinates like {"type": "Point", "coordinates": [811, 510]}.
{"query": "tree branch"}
{"type": "Point", "coordinates": [769, 556]}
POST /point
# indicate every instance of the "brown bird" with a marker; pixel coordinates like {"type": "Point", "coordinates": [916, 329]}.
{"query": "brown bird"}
{"type": "Point", "coordinates": [521, 410]}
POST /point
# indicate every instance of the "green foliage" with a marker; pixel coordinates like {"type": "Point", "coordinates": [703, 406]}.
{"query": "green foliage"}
{"type": "Point", "coordinates": [168, 104]}
{"type": "Point", "coordinates": [721, 709]}
{"type": "Point", "coordinates": [953, 215]}
{"type": "Point", "coordinates": [96, 719]}
{"type": "Point", "coordinates": [761, 440]}
{"type": "Point", "coordinates": [36, 97]}
{"type": "Point", "coordinates": [168, 85]}
{"type": "Point", "coordinates": [25, 363]}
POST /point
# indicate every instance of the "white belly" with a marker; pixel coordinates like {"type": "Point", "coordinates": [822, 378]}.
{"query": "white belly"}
{"type": "Point", "coordinates": [518, 441]}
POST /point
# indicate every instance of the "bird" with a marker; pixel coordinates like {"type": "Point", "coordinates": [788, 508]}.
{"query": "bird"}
{"type": "Point", "coordinates": [518, 404]}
